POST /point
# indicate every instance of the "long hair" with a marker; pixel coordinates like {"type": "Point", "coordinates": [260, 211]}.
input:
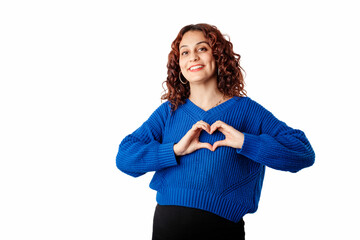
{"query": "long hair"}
{"type": "Point", "coordinates": [230, 80]}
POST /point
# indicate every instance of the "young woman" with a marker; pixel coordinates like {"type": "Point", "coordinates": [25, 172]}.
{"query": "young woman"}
{"type": "Point", "coordinates": [208, 143]}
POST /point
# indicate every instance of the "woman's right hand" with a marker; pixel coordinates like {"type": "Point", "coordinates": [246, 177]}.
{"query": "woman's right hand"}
{"type": "Point", "coordinates": [190, 142]}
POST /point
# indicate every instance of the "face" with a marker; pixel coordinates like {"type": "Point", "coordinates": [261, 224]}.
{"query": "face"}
{"type": "Point", "coordinates": [196, 61]}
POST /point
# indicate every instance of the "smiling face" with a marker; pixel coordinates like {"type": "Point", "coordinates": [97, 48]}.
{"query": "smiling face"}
{"type": "Point", "coordinates": [196, 61]}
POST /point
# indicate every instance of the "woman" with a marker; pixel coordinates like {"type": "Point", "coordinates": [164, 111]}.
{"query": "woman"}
{"type": "Point", "coordinates": [209, 143]}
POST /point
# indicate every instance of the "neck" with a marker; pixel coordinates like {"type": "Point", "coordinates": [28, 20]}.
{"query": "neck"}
{"type": "Point", "coordinates": [205, 95]}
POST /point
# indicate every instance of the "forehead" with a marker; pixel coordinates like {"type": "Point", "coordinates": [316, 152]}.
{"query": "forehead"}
{"type": "Point", "coordinates": [191, 38]}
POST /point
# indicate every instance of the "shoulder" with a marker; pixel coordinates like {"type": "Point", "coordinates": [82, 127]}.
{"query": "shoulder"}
{"type": "Point", "coordinates": [164, 107]}
{"type": "Point", "coordinates": [251, 107]}
{"type": "Point", "coordinates": [248, 102]}
{"type": "Point", "coordinates": [162, 112]}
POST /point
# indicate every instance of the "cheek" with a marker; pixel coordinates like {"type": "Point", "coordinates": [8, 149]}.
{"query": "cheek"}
{"type": "Point", "coordinates": [210, 58]}
{"type": "Point", "coordinates": [211, 61]}
{"type": "Point", "coordinates": [182, 64]}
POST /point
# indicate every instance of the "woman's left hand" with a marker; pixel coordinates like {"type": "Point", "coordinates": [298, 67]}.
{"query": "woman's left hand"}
{"type": "Point", "coordinates": [233, 138]}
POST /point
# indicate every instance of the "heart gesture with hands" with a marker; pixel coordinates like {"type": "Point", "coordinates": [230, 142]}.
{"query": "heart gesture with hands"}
{"type": "Point", "coordinates": [190, 142]}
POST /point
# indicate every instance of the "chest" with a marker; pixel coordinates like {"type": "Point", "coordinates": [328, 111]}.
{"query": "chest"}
{"type": "Point", "coordinates": [180, 123]}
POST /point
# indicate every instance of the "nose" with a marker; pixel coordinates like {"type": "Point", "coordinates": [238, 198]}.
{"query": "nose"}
{"type": "Point", "coordinates": [194, 57]}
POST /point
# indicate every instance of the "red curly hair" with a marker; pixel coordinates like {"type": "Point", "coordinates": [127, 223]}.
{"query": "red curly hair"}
{"type": "Point", "coordinates": [230, 77]}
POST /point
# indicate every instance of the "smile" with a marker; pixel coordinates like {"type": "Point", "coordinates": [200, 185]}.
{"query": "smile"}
{"type": "Point", "coordinates": [196, 68]}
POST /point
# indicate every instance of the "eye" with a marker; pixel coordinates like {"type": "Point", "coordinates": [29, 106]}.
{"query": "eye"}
{"type": "Point", "coordinates": [184, 53]}
{"type": "Point", "coordinates": [202, 49]}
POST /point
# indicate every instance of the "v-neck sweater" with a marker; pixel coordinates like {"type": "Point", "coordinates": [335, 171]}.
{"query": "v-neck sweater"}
{"type": "Point", "coordinates": [226, 181]}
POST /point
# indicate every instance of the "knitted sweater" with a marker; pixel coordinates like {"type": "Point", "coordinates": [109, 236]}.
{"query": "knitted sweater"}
{"type": "Point", "coordinates": [226, 182]}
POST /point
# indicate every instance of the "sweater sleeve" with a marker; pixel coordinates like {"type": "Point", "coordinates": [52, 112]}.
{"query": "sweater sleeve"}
{"type": "Point", "coordinates": [143, 150]}
{"type": "Point", "coordinates": [277, 146]}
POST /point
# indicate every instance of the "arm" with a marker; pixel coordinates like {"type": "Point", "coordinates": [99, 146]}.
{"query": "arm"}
{"type": "Point", "coordinates": [277, 146]}
{"type": "Point", "coordinates": [143, 150]}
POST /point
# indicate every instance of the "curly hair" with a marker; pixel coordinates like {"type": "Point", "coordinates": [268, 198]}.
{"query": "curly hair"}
{"type": "Point", "coordinates": [230, 80]}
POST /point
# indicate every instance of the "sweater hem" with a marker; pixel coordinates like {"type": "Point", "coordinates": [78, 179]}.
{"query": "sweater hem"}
{"type": "Point", "coordinates": [205, 201]}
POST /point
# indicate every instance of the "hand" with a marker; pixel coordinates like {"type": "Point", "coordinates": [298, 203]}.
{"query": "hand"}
{"type": "Point", "coordinates": [190, 142]}
{"type": "Point", "coordinates": [233, 138]}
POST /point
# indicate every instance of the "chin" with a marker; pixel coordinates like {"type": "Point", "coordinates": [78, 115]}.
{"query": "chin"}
{"type": "Point", "coordinates": [199, 79]}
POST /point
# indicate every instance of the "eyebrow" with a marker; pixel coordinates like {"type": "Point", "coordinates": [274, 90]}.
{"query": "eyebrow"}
{"type": "Point", "coordinates": [196, 44]}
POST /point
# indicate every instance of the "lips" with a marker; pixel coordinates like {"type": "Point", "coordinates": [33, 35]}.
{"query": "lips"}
{"type": "Point", "coordinates": [195, 68]}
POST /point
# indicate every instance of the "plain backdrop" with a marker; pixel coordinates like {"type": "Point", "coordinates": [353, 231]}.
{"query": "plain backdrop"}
{"type": "Point", "coordinates": [78, 76]}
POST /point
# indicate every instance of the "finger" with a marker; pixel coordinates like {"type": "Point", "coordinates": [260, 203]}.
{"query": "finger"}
{"type": "Point", "coordinates": [205, 145]}
{"type": "Point", "coordinates": [200, 127]}
{"type": "Point", "coordinates": [223, 127]}
{"type": "Point", "coordinates": [218, 144]}
{"type": "Point", "coordinates": [201, 121]}
{"type": "Point", "coordinates": [207, 126]}
{"type": "Point", "coordinates": [194, 132]}
{"type": "Point", "coordinates": [203, 125]}
{"type": "Point", "coordinates": [218, 125]}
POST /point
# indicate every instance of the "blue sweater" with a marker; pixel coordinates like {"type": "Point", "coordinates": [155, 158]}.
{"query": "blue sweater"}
{"type": "Point", "coordinates": [226, 182]}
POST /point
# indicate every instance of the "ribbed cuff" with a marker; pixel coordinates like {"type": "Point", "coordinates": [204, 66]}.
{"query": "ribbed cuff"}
{"type": "Point", "coordinates": [250, 148]}
{"type": "Point", "coordinates": [166, 155]}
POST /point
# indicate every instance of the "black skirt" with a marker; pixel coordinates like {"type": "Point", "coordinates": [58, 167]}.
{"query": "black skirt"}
{"type": "Point", "coordinates": [176, 222]}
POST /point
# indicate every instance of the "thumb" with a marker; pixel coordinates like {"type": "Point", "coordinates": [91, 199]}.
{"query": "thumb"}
{"type": "Point", "coordinates": [205, 145]}
{"type": "Point", "coordinates": [218, 144]}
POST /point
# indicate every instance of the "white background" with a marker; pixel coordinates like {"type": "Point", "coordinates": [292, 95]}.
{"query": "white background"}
{"type": "Point", "coordinates": [78, 76]}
